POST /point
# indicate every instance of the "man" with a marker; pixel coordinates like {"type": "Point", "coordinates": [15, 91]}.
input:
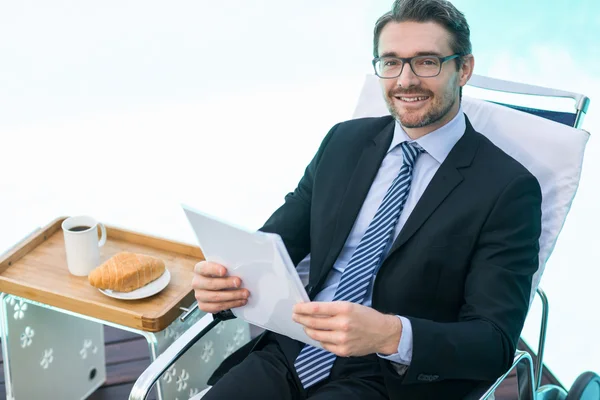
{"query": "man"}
{"type": "Point", "coordinates": [422, 236]}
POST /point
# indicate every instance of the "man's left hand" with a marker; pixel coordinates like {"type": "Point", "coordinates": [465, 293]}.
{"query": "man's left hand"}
{"type": "Point", "coordinates": [349, 329]}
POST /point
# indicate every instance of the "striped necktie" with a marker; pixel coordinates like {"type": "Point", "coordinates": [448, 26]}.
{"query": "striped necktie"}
{"type": "Point", "coordinates": [314, 364]}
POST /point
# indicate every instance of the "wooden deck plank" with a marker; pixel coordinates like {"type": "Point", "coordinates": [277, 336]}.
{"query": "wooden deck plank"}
{"type": "Point", "coordinates": [132, 350]}
{"type": "Point", "coordinates": [126, 372]}
{"type": "Point", "coordinates": [112, 335]}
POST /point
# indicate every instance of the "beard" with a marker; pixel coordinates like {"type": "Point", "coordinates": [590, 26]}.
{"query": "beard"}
{"type": "Point", "coordinates": [437, 108]}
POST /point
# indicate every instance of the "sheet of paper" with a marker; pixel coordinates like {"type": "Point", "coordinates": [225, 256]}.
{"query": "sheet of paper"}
{"type": "Point", "coordinates": [261, 261]}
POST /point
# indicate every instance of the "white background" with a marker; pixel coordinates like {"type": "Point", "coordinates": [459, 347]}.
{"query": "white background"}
{"type": "Point", "coordinates": [123, 109]}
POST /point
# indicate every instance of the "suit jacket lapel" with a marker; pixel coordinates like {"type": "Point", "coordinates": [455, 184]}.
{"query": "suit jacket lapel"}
{"type": "Point", "coordinates": [358, 187]}
{"type": "Point", "coordinates": [443, 183]}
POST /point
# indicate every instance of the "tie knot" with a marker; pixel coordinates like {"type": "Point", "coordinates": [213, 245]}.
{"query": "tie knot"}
{"type": "Point", "coordinates": [411, 151]}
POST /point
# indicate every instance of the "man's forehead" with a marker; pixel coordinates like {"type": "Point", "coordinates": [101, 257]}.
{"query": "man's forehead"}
{"type": "Point", "coordinates": [409, 38]}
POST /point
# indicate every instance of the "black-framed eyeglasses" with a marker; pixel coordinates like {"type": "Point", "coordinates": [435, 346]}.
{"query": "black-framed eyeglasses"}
{"type": "Point", "coordinates": [389, 67]}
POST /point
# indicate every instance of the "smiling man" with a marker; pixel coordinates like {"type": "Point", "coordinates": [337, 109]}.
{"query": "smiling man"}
{"type": "Point", "coordinates": [421, 238]}
{"type": "Point", "coordinates": [425, 98]}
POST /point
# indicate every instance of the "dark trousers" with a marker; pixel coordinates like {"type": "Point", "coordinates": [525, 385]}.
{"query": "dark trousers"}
{"type": "Point", "coordinates": [269, 373]}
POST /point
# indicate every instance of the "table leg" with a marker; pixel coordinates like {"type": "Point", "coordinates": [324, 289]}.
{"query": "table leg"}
{"type": "Point", "coordinates": [51, 350]}
{"type": "Point", "coordinates": [48, 352]}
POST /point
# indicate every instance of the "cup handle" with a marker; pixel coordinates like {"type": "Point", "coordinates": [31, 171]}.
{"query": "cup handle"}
{"type": "Point", "coordinates": [103, 236]}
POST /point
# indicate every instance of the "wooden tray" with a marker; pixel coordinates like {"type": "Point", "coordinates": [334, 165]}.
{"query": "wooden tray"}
{"type": "Point", "coordinates": [36, 269]}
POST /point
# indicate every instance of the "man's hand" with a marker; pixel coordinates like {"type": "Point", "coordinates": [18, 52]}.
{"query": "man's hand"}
{"type": "Point", "coordinates": [214, 290]}
{"type": "Point", "coordinates": [349, 329]}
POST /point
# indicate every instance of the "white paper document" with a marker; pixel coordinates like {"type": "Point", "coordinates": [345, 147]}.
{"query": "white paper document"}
{"type": "Point", "coordinates": [263, 264]}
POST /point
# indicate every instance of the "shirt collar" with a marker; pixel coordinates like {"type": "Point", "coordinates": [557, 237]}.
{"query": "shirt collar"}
{"type": "Point", "coordinates": [437, 143]}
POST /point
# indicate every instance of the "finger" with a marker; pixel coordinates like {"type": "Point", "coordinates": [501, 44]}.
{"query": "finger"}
{"type": "Point", "coordinates": [330, 347]}
{"type": "Point", "coordinates": [311, 308]}
{"type": "Point", "coordinates": [207, 283]}
{"type": "Point", "coordinates": [317, 323]}
{"type": "Point", "coordinates": [219, 296]}
{"type": "Point", "coordinates": [207, 268]}
{"type": "Point", "coordinates": [330, 308]}
{"type": "Point", "coordinates": [341, 351]}
{"type": "Point", "coordinates": [330, 337]}
{"type": "Point", "coordinates": [216, 307]}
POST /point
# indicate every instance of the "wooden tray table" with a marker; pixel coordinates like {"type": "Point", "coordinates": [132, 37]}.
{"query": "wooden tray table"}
{"type": "Point", "coordinates": [37, 270]}
{"type": "Point", "coordinates": [51, 321]}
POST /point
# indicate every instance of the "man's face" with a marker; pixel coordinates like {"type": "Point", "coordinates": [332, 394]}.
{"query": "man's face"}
{"type": "Point", "coordinates": [421, 103]}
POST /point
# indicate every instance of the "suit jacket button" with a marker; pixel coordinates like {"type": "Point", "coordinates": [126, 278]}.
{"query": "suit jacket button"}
{"type": "Point", "coordinates": [427, 378]}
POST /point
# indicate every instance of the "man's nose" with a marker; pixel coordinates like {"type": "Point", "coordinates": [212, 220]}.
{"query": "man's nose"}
{"type": "Point", "coordinates": [407, 77]}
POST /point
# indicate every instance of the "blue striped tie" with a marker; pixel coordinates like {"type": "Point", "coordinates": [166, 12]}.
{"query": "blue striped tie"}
{"type": "Point", "coordinates": [314, 364]}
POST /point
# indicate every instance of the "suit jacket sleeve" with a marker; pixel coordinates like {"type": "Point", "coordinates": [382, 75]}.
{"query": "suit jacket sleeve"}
{"type": "Point", "coordinates": [482, 344]}
{"type": "Point", "coordinates": [292, 220]}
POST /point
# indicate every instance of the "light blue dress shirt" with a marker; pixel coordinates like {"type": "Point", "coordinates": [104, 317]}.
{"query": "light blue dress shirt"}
{"type": "Point", "coordinates": [437, 145]}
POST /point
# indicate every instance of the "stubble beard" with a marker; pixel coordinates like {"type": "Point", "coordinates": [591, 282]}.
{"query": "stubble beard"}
{"type": "Point", "coordinates": [436, 112]}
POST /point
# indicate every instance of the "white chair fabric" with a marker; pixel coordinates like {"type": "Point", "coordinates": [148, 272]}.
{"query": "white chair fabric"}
{"type": "Point", "coordinates": [552, 152]}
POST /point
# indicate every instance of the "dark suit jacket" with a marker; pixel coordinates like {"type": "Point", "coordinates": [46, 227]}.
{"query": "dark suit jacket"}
{"type": "Point", "coordinates": [461, 268]}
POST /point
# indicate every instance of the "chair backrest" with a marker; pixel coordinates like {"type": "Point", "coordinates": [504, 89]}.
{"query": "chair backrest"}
{"type": "Point", "coordinates": [552, 152]}
{"type": "Point", "coordinates": [571, 118]}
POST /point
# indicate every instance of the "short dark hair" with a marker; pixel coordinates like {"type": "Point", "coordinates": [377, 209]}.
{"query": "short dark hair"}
{"type": "Point", "coordinates": [440, 11]}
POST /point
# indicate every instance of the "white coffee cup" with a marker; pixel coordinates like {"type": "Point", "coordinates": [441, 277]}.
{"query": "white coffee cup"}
{"type": "Point", "coordinates": [82, 244]}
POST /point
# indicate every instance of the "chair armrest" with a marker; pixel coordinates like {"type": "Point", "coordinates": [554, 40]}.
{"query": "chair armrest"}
{"type": "Point", "coordinates": [148, 378]}
{"type": "Point", "coordinates": [524, 363]}
{"type": "Point", "coordinates": [539, 361]}
{"type": "Point", "coordinates": [534, 377]}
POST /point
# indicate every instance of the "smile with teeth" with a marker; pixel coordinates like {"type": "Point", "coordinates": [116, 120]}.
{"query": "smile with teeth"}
{"type": "Point", "coordinates": [412, 99]}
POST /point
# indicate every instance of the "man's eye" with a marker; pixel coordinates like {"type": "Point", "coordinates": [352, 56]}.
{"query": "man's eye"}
{"type": "Point", "coordinates": [390, 63]}
{"type": "Point", "coordinates": [428, 62]}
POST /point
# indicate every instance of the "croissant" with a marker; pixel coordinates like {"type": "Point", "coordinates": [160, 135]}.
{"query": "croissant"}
{"type": "Point", "coordinates": [126, 271]}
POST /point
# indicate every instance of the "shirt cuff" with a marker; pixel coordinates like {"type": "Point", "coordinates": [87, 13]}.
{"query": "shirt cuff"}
{"type": "Point", "coordinates": [404, 354]}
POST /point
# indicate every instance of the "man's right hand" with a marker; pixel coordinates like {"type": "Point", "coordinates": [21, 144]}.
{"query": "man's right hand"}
{"type": "Point", "coordinates": [214, 290]}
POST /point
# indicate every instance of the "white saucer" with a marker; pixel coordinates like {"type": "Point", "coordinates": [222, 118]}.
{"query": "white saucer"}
{"type": "Point", "coordinates": [145, 291]}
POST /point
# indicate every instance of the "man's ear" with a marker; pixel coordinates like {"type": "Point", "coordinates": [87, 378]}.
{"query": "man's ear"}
{"type": "Point", "coordinates": [466, 69]}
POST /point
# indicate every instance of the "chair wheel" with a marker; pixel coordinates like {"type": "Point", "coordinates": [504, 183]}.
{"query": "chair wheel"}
{"type": "Point", "coordinates": [586, 387]}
